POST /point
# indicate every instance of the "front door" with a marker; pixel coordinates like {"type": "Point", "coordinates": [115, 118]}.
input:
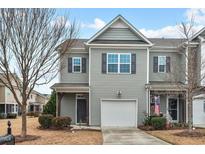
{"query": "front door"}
{"type": "Point", "coordinates": [173, 109]}
{"type": "Point", "coordinates": [81, 111]}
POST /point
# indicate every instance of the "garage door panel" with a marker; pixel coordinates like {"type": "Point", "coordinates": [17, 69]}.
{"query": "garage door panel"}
{"type": "Point", "coordinates": [118, 113]}
{"type": "Point", "coordinates": [198, 112]}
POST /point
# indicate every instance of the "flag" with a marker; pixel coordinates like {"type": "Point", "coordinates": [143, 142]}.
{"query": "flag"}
{"type": "Point", "coordinates": [157, 105]}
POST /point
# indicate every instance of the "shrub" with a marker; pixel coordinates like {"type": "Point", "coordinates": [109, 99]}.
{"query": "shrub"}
{"type": "Point", "coordinates": [45, 120]}
{"type": "Point", "coordinates": [36, 114]}
{"type": "Point", "coordinates": [179, 125]}
{"type": "Point", "coordinates": [11, 115]}
{"type": "Point", "coordinates": [60, 122]}
{"type": "Point", "coordinates": [33, 114]}
{"type": "Point", "coordinates": [2, 116]}
{"type": "Point", "coordinates": [158, 122]}
{"type": "Point", "coordinates": [147, 121]}
{"type": "Point", "coordinates": [50, 107]}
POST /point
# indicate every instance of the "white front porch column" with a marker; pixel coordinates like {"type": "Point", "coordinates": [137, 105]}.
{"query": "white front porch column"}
{"type": "Point", "coordinates": [148, 101]}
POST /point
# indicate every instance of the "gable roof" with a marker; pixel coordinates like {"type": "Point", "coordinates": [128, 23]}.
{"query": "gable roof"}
{"type": "Point", "coordinates": [166, 42]}
{"type": "Point", "coordinates": [157, 42]}
{"type": "Point", "coordinates": [119, 17]}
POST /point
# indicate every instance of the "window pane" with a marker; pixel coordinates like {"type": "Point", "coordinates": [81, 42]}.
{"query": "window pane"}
{"type": "Point", "coordinates": [76, 68]}
{"type": "Point", "coordinates": [162, 60]}
{"type": "Point", "coordinates": [76, 61]}
{"type": "Point", "coordinates": [124, 68]}
{"type": "Point", "coordinates": [112, 68]}
{"type": "Point", "coordinates": [125, 58]}
{"type": "Point", "coordinates": [161, 68]}
{"type": "Point", "coordinates": [112, 58]}
{"type": "Point", "coordinates": [173, 114]}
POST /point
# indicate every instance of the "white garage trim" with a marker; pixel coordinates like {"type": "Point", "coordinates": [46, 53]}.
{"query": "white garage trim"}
{"type": "Point", "coordinates": [120, 100]}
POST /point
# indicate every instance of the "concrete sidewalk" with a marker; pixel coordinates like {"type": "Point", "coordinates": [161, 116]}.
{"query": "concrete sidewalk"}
{"type": "Point", "coordinates": [129, 136]}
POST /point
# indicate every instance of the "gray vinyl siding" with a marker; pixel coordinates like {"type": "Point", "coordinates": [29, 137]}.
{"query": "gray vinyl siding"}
{"type": "Point", "coordinates": [182, 63]}
{"type": "Point", "coordinates": [118, 34]}
{"type": "Point", "coordinates": [163, 104]}
{"type": "Point", "coordinates": [68, 106]}
{"type": "Point", "coordinates": [105, 86]}
{"type": "Point", "coordinates": [176, 73]}
{"type": "Point", "coordinates": [66, 77]}
{"type": "Point", "coordinates": [200, 63]}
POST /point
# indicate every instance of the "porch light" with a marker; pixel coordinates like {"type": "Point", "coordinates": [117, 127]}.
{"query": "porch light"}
{"type": "Point", "coordinates": [119, 93]}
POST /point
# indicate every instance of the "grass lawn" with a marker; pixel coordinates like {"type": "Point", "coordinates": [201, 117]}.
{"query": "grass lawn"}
{"type": "Point", "coordinates": [82, 137]}
{"type": "Point", "coordinates": [169, 136]}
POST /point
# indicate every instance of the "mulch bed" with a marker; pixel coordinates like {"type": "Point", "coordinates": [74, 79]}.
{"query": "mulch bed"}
{"type": "Point", "coordinates": [18, 138]}
{"type": "Point", "coordinates": [193, 133]}
{"type": "Point", "coordinates": [54, 128]}
{"type": "Point", "coordinates": [151, 128]}
{"type": "Point", "coordinates": [146, 128]}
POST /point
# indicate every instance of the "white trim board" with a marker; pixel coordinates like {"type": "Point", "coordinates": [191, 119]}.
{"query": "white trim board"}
{"type": "Point", "coordinates": [89, 95]}
{"type": "Point", "coordinates": [167, 106]}
{"type": "Point", "coordinates": [122, 45]}
{"type": "Point", "coordinates": [76, 106]}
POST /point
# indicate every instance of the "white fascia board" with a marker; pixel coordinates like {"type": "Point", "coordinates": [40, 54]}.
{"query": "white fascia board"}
{"type": "Point", "coordinates": [184, 44]}
{"type": "Point", "coordinates": [89, 63]}
{"type": "Point", "coordinates": [197, 34]}
{"type": "Point", "coordinates": [117, 47]}
{"type": "Point", "coordinates": [163, 47]}
{"type": "Point", "coordinates": [148, 65]}
{"type": "Point", "coordinates": [77, 48]}
{"type": "Point", "coordinates": [120, 45]}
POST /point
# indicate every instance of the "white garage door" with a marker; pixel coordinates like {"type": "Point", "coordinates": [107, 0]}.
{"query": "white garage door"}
{"type": "Point", "coordinates": [199, 112]}
{"type": "Point", "coordinates": [118, 113]}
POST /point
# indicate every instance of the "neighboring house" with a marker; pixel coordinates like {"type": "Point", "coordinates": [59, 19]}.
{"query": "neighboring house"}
{"type": "Point", "coordinates": [118, 75]}
{"type": "Point", "coordinates": [36, 102]}
{"type": "Point", "coordinates": [7, 101]}
{"type": "Point", "coordinates": [8, 104]}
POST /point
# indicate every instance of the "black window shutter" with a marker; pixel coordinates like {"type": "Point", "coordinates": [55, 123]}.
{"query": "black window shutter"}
{"type": "Point", "coordinates": [168, 64]}
{"type": "Point", "coordinates": [104, 63]}
{"type": "Point", "coordinates": [155, 64]}
{"type": "Point", "coordinates": [133, 64]}
{"type": "Point", "coordinates": [83, 65]}
{"type": "Point", "coordinates": [69, 65]}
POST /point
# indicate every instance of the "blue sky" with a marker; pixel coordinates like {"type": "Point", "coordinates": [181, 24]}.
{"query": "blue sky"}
{"type": "Point", "coordinates": [151, 22]}
{"type": "Point", "coordinates": [147, 19]}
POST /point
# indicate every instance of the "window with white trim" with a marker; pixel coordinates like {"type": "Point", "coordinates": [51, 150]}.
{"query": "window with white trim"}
{"type": "Point", "coordinates": [76, 64]}
{"type": "Point", "coordinates": [161, 63]}
{"type": "Point", "coordinates": [118, 63]}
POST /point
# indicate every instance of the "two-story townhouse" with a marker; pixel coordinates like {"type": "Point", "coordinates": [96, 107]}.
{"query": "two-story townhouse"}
{"type": "Point", "coordinates": [36, 102]}
{"type": "Point", "coordinates": [118, 75]}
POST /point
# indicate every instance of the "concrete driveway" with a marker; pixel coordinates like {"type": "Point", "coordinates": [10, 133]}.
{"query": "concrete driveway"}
{"type": "Point", "coordinates": [129, 136]}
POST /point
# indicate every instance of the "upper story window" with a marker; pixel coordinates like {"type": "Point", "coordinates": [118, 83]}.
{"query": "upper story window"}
{"type": "Point", "coordinates": [161, 64]}
{"type": "Point", "coordinates": [119, 63]}
{"type": "Point", "coordinates": [76, 64]}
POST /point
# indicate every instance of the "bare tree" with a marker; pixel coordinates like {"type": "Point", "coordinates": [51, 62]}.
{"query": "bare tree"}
{"type": "Point", "coordinates": [28, 44]}
{"type": "Point", "coordinates": [192, 69]}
